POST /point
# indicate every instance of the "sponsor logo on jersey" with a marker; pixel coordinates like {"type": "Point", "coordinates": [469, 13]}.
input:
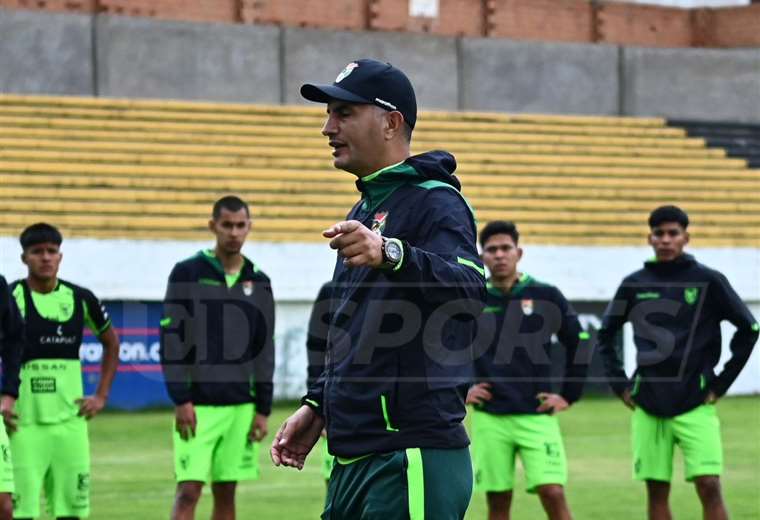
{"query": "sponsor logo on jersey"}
{"type": "Point", "coordinates": [43, 385]}
{"type": "Point", "coordinates": [248, 287]}
{"type": "Point", "coordinates": [527, 306]}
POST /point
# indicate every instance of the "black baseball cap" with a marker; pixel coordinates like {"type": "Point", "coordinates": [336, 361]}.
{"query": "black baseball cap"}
{"type": "Point", "coordinates": [370, 82]}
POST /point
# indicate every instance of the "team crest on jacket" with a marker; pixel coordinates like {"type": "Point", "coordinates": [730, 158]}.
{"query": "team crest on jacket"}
{"type": "Point", "coordinates": [248, 287]}
{"type": "Point", "coordinates": [378, 223]}
{"type": "Point", "coordinates": [527, 306]}
{"type": "Point", "coordinates": [346, 71]}
{"type": "Point", "coordinates": [690, 295]}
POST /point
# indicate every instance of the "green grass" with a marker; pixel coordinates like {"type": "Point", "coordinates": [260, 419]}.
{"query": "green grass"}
{"type": "Point", "coordinates": [132, 469]}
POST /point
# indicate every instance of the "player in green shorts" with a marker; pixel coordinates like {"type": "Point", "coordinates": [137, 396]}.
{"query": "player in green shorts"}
{"type": "Point", "coordinates": [513, 400]}
{"type": "Point", "coordinates": [676, 306]}
{"type": "Point", "coordinates": [50, 448]}
{"type": "Point", "coordinates": [11, 346]}
{"type": "Point", "coordinates": [217, 354]}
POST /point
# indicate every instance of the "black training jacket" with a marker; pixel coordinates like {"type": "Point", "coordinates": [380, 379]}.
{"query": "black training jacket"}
{"type": "Point", "coordinates": [676, 309]}
{"type": "Point", "coordinates": [513, 348]}
{"type": "Point", "coordinates": [399, 346]}
{"type": "Point", "coordinates": [217, 345]}
{"type": "Point", "coordinates": [11, 340]}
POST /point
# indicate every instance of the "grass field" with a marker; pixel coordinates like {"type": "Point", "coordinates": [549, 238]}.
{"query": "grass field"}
{"type": "Point", "coordinates": [132, 469]}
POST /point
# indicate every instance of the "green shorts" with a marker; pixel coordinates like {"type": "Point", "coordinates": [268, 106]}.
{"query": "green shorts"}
{"type": "Point", "coordinates": [220, 448]}
{"type": "Point", "coordinates": [412, 484]}
{"type": "Point", "coordinates": [327, 460]}
{"type": "Point", "coordinates": [697, 432]}
{"type": "Point", "coordinates": [56, 458]}
{"type": "Point", "coordinates": [497, 439]}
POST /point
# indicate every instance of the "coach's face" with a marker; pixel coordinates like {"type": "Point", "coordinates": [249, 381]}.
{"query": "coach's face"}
{"type": "Point", "coordinates": [355, 133]}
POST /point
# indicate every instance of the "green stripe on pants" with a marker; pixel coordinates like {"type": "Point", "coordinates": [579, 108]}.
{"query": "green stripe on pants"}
{"type": "Point", "coordinates": [415, 484]}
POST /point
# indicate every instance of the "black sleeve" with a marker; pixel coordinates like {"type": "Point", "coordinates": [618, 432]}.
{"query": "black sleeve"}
{"type": "Point", "coordinates": [176, 350]}
{"type": "Point", "coordinates": [614, 317]}
{"type": "Point", "coordinates": [316, 336]}
{"type": "Point", "coordinates": [263, 341]}
{"type": "Point", "coordinates": [572, 336]}
{"type": "Point", "coordinates": [11, 340]}
{"type": "Point", "coordinates": [96, 317]}
{"type": "Point", "coordinates": [744, 339]}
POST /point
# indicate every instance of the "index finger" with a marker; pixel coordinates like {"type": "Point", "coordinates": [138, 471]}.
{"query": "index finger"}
{"type": "Point", "coordinates": [345, 226]}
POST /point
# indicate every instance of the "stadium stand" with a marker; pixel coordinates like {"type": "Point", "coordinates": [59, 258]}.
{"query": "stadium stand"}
{"type": "Point", "coordinates": [149, 170]}
{"type": "Point", "coordinates": [738, 139]}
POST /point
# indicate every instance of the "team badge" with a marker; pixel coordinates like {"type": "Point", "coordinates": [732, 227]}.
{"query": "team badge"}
{"type": "Point", "coordinates": [248, 287]}
{"type": "Point", "coordinates": [690, 295]}
{"type": "Point", "coordinates": [346, 72]}
{"type": "Point", "coordinates": [527, 306]}
{"type": "Point", "coordinates": [378, 223]}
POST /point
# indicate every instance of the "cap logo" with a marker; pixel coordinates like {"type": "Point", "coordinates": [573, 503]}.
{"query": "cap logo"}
{"type": "Point", "coordinates": [385, 103]}
{"type": "Point", "coordinates": [345, 72]}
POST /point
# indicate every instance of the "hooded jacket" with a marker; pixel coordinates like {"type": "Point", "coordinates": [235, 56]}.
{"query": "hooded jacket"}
{"type": "Point", "coordinates": [513, 352]}
{"type": "Point", "coordinates": [399, 345]}
{"type": "Point", "coordinates": [11, 340]}
{"type": "Point", "coordinates": [676, 309]}
{"type": "Point", "coordinates": [217, 342]}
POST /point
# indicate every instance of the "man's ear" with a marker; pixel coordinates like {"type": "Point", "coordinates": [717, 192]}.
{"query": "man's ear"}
{"type": "Point", "coordinates": [23, 259]}
{"type": "Point", "coordinates": [519, 253]}
{"type": "Point", "coordinates": [394, 125]}
{"type": "Point", "coordinates": [687, 236]}
{"type": "Point", "coordinates": [211, 225]}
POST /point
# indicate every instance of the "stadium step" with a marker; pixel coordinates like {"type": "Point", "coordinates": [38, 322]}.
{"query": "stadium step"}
{"type": "Point", "coordinates": [150, 169]}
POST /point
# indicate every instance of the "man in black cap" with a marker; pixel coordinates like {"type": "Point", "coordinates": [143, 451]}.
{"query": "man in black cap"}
{"type": "Point", "coordinates": [407, 285]}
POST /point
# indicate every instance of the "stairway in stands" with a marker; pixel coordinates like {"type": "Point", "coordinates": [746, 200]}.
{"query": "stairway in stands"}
{"type": "Point", "coordinates": [139, 169]}
{"type": "Point", "coordinates": [740, 140]}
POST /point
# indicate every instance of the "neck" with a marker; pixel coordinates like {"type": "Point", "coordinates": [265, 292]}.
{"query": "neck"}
{"type": "Point", "coordinates": [42, 285]}
{"type": "Point", "coordinates": [505, 283]}
{"type": "Point", "coordinates": [231, 262]}
{"type": "Point", "coordinates": [392, 156]}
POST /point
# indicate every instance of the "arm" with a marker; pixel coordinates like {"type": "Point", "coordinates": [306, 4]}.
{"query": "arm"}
{"type": "Point", "coordinates": [573, 337]}
{"type": "Point", "coordinates": [614, 318]}
{"type": "Point", "coordinates": [744, 339]}
{"type": "Point", "coordinates": [263, 361]}
{"type": "Point", "coordinates": [316, 336]}
{"type": "Point", "coordinates": [97, 320]}
{"type": "Point", "coordinates": [443, 262]}
{"type": "Point", "coordinates": [176, 336]}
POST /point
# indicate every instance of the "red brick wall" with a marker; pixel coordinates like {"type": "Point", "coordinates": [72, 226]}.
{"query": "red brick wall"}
{"type": "Point", "coordinates": [727, 27]}
{"type": "Point", "coordinates": [553, 20]}
{"type": "Point", "coordinates": [328, 14]}
{"type": "Point", "coordinates": [455, 17]}
{"type": "Point", "coordinates": [190, 10]}
{"type": "Point", "coordinates": [75, 6]}
{"type": "Point", "coordinates": [643, 25]}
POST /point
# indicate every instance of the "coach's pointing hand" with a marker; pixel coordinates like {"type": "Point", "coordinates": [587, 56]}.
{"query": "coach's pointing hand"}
{"type": "Point", "coordinates": [358, 245]}
{"type": "Point", "coordinates": [296, 438]}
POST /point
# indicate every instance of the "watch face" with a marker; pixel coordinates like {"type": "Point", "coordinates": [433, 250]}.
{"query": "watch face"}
{"type": "Point", "coordinates": [393, 251]}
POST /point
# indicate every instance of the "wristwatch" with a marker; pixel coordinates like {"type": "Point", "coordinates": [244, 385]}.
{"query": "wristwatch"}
{"type": "Point", "coordinates": [393, 253]}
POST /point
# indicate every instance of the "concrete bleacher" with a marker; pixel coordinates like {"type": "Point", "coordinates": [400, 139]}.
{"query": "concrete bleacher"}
{"type": "Point", "coordinates": [136, 169]}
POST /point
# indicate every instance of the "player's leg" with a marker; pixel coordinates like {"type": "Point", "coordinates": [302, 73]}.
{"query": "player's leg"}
{"type": "Point", "coordinates": [192, 460]}
{"type": "Point", "coordinates": [6, 477]}
{"type": "Point", "coordinates": [186, 499]}
{"type": "Point", "coordinates": [499, 504]}
{"type": "Point", "coordinates": [542, 451]}
{"type": "Point", "coordinates": [698, 434]}
{"type": "Point", "coordinates": [658, 507]}
{"type": "Point", "coordinates": [235, 457]}
{"type": "Point", "coordinates": [493, 451]}
{"type": "Point", "coordinates": [224, 500]}
{"type": "Point", "coordinates": [31, 451]}
{"type": "Point", "coordinates": [653, 441]}
{"type": "Point", "coordinates": [67, 483]}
